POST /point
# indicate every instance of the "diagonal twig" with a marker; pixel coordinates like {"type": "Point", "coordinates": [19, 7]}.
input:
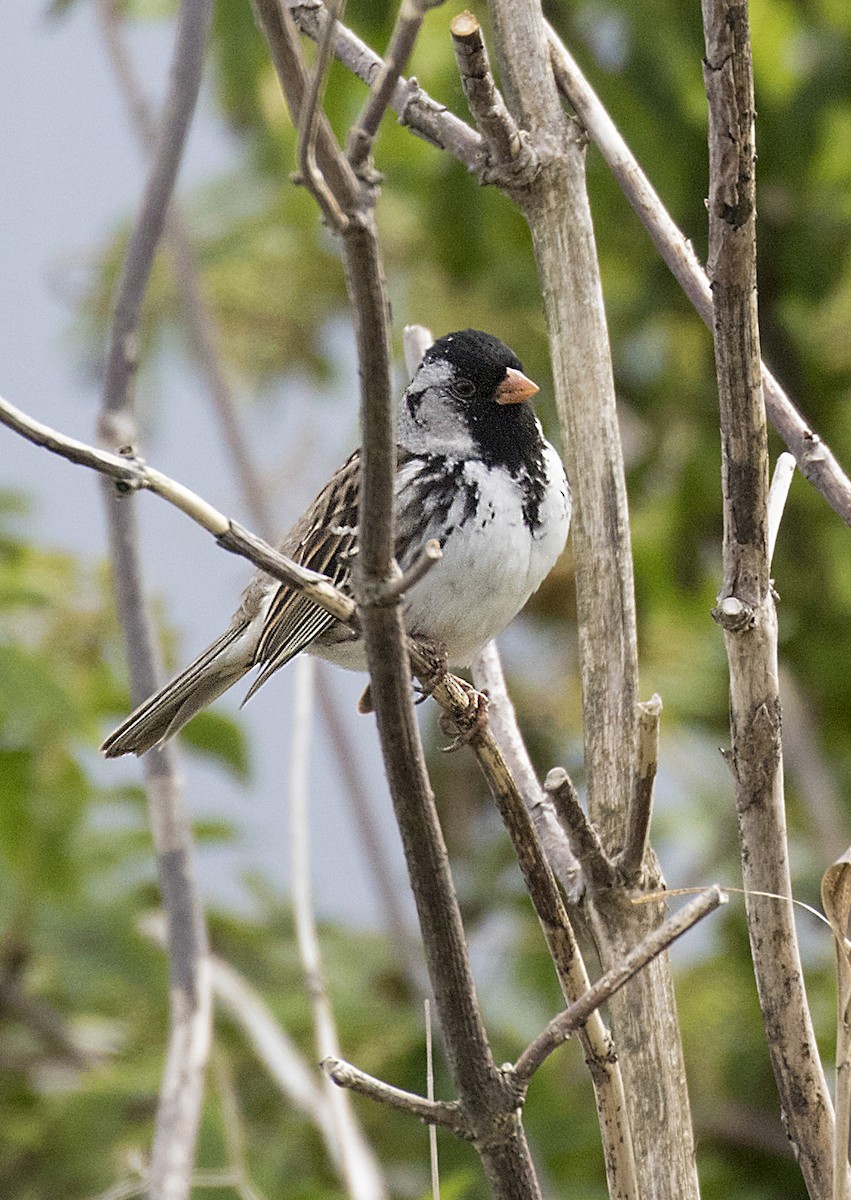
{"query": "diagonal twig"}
{"type": "Point", "coordinates": [657, 941]}
{"type": "Point", "coordinates": [436, 1112]}
{"type": "Point", "coordinates": [510, 157]}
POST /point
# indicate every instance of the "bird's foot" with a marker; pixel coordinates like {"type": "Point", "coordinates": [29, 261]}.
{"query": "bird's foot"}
{"type": "Point", "coordinates": [471, 724]}
{"type": "Point", "coordinates": [434, 671]}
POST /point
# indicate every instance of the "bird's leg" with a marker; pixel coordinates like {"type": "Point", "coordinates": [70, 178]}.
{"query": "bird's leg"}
{"type": "Point", "coordinates": [435, 654]}
{"type": "Point", "coordinates": [472, 723]}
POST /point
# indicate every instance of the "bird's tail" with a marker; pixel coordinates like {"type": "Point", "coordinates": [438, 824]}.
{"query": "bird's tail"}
{"type": "Point", "coordinates": [161, 715]}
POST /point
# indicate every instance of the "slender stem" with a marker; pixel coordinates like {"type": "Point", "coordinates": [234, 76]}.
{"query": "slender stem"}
{"type": "Point", "coordinates": [512, 160]}
{"type": "Point", "coordinates": [746, 607]}
{"type": "Point", "coordinates": [409, 19]}
{"type": "Point", "coordinates": [583, 839]}
{"type": "Point", "coordinates": [423, 116]}
{"type": "Point", "coordinates": [488, 677]}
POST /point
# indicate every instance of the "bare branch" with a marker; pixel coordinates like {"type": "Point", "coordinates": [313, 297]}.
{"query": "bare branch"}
{"type": "Point", "coordinates": [746, 604]}
{"type": "Point", "coordinates": [510, 159]}
{"type": "Point", "coordinates": [585, 845]}
{"type": "Point", "coordinates": [197, 313]}
{"type": "Point", "coordinates": [448, 1113]}
{"type": "Point", "coordinates": [308, 124]}
{"type": "Point", "coordinates": [276, 23]}
{"type": "Point", "coordinates": [631, 861]}
{"type": "Point", "coordinates": [184, 81]}
{"type": "Point", "coordinates": [814, 457]}
{"type": "Point", "coordinates": [555, 205]}
{"type": "Point", "coordinates": [562, 1026]}
{"type": "Point", "coordinates": [392, 592]}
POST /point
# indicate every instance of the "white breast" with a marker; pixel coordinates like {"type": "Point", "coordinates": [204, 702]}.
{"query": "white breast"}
{"type": "Point", "coordinates": [491, 562]}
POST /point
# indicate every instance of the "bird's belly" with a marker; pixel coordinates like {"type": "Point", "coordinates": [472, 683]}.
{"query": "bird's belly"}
{"type": "Point", "coordinates": [472, 593]}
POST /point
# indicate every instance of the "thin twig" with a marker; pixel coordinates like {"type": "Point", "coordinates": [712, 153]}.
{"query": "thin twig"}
{"type": "Point", "coordinates": [276, 22]}
{"type": "Point", "coordinates": [131, 473]}
{"type": "Point", "coordinates": [562, 1026]}
{"type": "Point", "coordinates": [357, 1166]}
{"type": "Point", "coordinates": [199, 319]}
{"type": "Point", "coordinates": [409, 20]}
{"type": "Point", "coordinates": [190, 1003]}
{"type": "Point", "coordinates": [746, 608]}
{"type": "Point", "coordinates": [448, 1113]}
{"type": "Point", "coordinates": [395, 589]}
{"type": "Point", "coordinates": [432, 1129]}
{"type": "Point", "coordinates": [640, 809]}
{"type": "Point", "coordinates": [814, 457]}
{"type": "Point", "coordinates": [585, 845]}
{"type": "Point", "coordinates": [308, 124]}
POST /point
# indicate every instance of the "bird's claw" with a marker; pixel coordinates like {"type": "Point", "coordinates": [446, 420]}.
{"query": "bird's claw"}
{"type": "Point", "coordinates": [471, 724]}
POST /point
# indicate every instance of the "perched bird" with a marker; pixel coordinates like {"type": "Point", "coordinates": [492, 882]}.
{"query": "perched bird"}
{"type": "Point", "coordinates": [473, 471]}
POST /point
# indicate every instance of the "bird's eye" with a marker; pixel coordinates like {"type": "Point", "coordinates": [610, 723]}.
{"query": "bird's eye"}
{"type": "Point", "coordinates": [463, 388]}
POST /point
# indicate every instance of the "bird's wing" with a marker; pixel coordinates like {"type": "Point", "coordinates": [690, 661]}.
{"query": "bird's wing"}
{"type": "Point", "coordinates": [324, 539]}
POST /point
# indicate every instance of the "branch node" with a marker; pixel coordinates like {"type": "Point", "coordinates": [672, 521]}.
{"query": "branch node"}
{"type": "Point", "coordinates": [734, 615]}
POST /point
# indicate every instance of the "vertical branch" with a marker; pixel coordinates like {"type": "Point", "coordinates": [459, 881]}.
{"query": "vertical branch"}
{"type": "Point", "coordinates": [555, 204]}
{"type": "Point", "coordinates": [181, 1094]}
{"type": "Point", "coordinates": [746, 609]}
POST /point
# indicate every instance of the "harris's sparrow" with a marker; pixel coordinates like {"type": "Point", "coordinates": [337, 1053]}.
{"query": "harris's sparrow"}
{"type": "Point", "coordinates": [473, 471]}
